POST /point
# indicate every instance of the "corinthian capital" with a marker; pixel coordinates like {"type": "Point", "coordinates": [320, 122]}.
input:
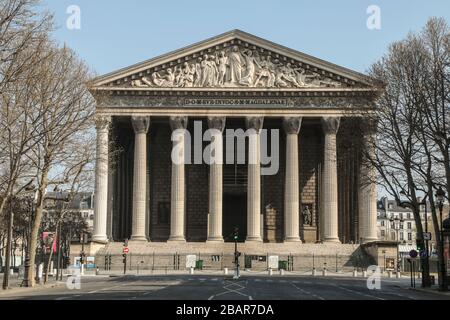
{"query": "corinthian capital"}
{"type": "Point", "coordinates": [178, 122]}
{"type": "Point", "coordinates": [292, 125]}
{"type": "Point", "coordinates": [255, 123]}
{"type": "Point", "coordinates": [217, 123]}
{"type": "Point", "coordinates": [330, 125]}
{"type": "Point", "coordinates": [102, 122]}
{"type": "Point", "coordinates": [140, 124]}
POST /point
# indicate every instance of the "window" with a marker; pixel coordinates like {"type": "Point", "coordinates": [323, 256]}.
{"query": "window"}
{"type": "Point", "coordinates": [409, 216]}
{"type": "Point", "coordinates": [409, 236]}
{"type": "Point", "coordinates": [91, 217]}
{"type": "Point", "coordinates": [409, 225]}
{"type": "Point", "coordinates": [401, 236]}
{"type": "Point", "coordinates": [85, 215]}
{"type": "Point", "coordinates": [390, 206]}
{"type": "Point", "coordinates": [382, 223]}
{"type": "Point", "coordinates": [163, 212]}
{"type": "Point", "coordinates": [383, 233]}
{"type": "Point", "coordinates": [401, 226]}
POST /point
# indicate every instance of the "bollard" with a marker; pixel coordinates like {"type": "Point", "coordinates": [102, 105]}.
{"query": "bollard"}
{"type": "Point", "coordinates": [390, 274]}
{"type": "Point", "coordinates": [270, 271]}
{"type": "Point", "coordinates": [225, 271]}
{"type": "Point", "coordinates": [82, 269]}
{"type": "Point", "coordinates": [281, 272]}
{"type": "Point", "coordinates": [419, 275]}
{"type": "Point", "coordinates": [365, 274]}
{"type": "Point", "coordinates": [191, 270]}
{"type": "Point", "coordinates": [355, 273]}
{"type": "Point", "coordinates": [397, 275]}
{"type": "Point", "coordinates": [314, 272]}
{"type": "Point", "coordinates": [11, 271]}
{"type": "Point", "coordinates": [40, 271]}
{"type": "Point", "coordinates": [324, 272]}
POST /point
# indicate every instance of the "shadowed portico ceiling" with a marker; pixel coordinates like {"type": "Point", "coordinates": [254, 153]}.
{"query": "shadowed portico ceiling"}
{"type": "Point", "coordinates": [235, 61]}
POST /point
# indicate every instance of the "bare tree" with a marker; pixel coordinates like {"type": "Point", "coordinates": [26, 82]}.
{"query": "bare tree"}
{"type": "Point", "coordinates": [412, 149]}
{"type": "Point", "coordinates": [67, 109]}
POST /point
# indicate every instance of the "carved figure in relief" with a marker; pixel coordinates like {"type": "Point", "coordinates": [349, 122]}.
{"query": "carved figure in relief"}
{"type": "Point", "coordinates": [164, 81]}
{"type": "Point", "coordinates": [250, 64]}
{"type": "Point", "coordinates": [198, 73]}
{"type": "Point", "coordinates": [235, 62]}
{"type": "Point", "coordinates": [222, 62]}
{"type": "Point", "coordinates": [265, 72]}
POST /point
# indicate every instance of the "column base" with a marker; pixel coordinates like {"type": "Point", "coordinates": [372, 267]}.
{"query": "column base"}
{"type": "Point", "coordinates": [100, 239]}
{"type": "Point", "coordinates": [253, 239]}
{"type": "Point", "coordinates": [293, 239]}
{"type": "Point", "coordinates": [139, 238]}
{"type": "Point", "coordinates": [332, 240]}
{"type": "Point", "coordinates": [215, 240]}
{"type": "Point", "coordinates": [366, 240]}
{"type": "Point", "coordinates": [176, 239]}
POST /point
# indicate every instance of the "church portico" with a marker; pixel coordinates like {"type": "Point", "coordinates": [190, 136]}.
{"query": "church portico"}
{"type": "Point", "coordinates": [299, 183]}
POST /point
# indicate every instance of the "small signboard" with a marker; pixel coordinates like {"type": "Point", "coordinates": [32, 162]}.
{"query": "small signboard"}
{"type": "Point", "coordinates": [190, 261]}
{"type": "Point", "coordinates": [413, 254]}
{"type": "Point", "coordinates": [427, 236]}
{"type": "Point", "coordinates": [126, 250]}
{"type": "Point", "coordinates": [273, 262]}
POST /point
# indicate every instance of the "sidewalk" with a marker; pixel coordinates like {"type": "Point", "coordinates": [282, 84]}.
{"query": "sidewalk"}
{"type": "Point", "coordinates": [433, 289]}
{"type": "Point", "coordinates": [14, 286]}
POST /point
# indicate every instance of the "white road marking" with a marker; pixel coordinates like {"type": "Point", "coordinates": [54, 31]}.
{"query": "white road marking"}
{"type": "Point", "coordinates": [359, 293]}
{"type": "Point", "coordinates": [308, 293]}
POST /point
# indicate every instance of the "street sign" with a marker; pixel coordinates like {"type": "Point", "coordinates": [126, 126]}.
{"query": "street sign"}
{"type": "Point", "coordinates": [427, 236]}
{"type": "Point", "coordinates": [126, 250]}
{"type": "Point", "coordinates": [413, 254]}
{"type": "Point", "coordinates": [423, 254]}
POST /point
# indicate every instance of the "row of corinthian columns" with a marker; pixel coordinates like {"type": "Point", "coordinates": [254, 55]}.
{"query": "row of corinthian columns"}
{"type": "Point", "coordinates": [292, 125]}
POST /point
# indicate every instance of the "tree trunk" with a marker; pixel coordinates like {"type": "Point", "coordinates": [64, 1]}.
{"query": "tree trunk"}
{"type": "Point", "coordinates": [33, 241]}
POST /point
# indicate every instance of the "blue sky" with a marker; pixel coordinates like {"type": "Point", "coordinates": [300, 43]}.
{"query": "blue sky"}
{"type": "Point", "coordinates": [115, 34]}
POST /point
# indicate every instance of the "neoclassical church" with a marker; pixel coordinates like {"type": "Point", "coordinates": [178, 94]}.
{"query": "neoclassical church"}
{"type": "Point", "coordinates": [234, 81]}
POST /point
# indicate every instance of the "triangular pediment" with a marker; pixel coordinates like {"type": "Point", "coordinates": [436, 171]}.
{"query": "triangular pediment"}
{"type": "Point", "coordinates": [233, 60]}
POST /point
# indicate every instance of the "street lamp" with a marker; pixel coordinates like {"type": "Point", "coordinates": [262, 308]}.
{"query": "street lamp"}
{"type": "Point", "coordinates": [396, 223]}
{"type": "Point", "coordinates": [440, 196]}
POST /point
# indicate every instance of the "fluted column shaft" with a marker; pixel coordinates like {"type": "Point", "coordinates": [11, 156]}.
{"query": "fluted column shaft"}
{"type": "Point", "coordinates": [140, 125]}
{"type": "Point", "coordinates": [216, 126]}
{"type": "Point", "coordinates": [292, 193]}
{"type": "Point", "coordinates": [367, 193]}
{"type": "Point", "coordinates": [254, 126]}
{"type": "Point", "coordinates": [329, 181]}
{"type": "Point", "coordinates": [101, 179]}
{"type": "Point", "coordinates": [177, 208]}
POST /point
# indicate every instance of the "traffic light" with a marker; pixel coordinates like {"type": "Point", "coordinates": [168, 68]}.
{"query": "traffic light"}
{"type": "Point", "coordinates": [236, 234]}
{"type": "Point", "coordinates": [124, 258]}
{"type": "Point", "coordinates": [420, 246]}
{"type": "Point", "coordinates": [125, 243]}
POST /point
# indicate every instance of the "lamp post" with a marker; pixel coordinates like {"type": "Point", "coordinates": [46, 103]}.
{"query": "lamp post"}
{"type": "Point", "coordinates": [396, 223]}
{"type": "Point", "coordinates": [440, 196]}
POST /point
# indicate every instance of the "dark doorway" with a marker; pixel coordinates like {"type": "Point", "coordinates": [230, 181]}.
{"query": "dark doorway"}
{"type": "Point", "coordinates": [234, 215]}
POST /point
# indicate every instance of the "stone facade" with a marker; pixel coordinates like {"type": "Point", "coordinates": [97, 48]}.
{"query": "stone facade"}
{"type": "Point", "coordinates": [233, 81]}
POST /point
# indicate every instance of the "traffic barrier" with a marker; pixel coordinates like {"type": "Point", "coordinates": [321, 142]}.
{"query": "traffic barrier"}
{"type": "Point", "coordinates": [324, 272]}
{"type": "Point", "coordinates": [397, 275]}
{"type": "Point", "coordinates": [191, 270]}
{"type": "Point", "coordinates": [281, 272]}
{"type": "Point", "coordinates": [314, 272]}
{"type": "Point", "coordinates": [364, 273]}
{"type": "Point", "coordinates": [355, 273]}
{"type": "Point", "coordinates": [270, 271]}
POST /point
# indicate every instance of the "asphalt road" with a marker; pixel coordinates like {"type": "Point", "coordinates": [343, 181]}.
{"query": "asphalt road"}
{"type": "Point", "coordinates": [202, 287]}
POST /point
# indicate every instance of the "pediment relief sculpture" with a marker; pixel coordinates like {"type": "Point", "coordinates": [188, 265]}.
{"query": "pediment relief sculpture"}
{"type": "Point", "coordinates": [235, 66]}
